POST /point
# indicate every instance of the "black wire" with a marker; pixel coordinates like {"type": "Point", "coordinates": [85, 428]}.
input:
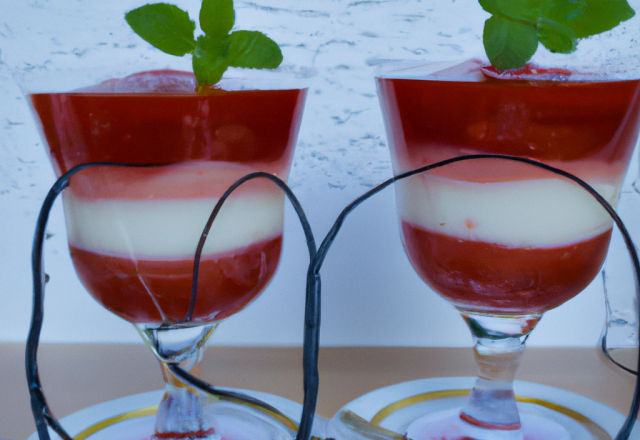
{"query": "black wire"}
{"type": "Point", "coordinates": [233, 396]}
{"type": "Point", "coordinates": [205, 233]}
{"type": "Point", "coordinates": [605, 351]}
{"type": "Point", "coordinates": [39, 407]}
{"type": "Point", "coordinates": [625, 431]}
{"type": "Point", "coordinates": [311, 338]}
{"type": "Point", "coordinates": [42, 414]}
{"type": "Point", "coordinates": [312, 321]}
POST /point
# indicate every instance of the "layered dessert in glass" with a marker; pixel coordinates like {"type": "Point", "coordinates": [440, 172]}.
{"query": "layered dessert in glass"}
{"type": "Point", "coordinates": [503, 240]}
{"type": "Point", "coordinates": [133, 232]}
{"type": "Point", "coordinates": [163, 155]}
{"type": "Point", "coordinates": [499, 236]}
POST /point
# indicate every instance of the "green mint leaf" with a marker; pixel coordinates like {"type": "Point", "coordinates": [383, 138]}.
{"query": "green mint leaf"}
{"type": "Point", "coordinates": [164, 26]}
{"type": "Point", "coordinates": [597, 15]}
{"type": "Point", "coordinates": [253, 50]}
{"type": "Point", "coordinates": [526, 11]}
{"type": "Point", "coordinates": [557, 24]}
{"type": "Point", "coordinates": [171, 30]}
{"type": "Point", "coordinates": [210, 60]}
{"type": "Point", "coordinates": [556, 37]}
{"type": "Point", "coordinates": [217, 17]}
{"type": "Point", "coordinates": [565, 10]}
{"type": "Point", "coordinates": [509, 44]}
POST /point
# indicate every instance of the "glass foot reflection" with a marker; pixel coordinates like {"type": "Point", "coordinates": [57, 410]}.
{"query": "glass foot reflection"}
{"type": "Point", "coordinates": [447, 425]}
{"type": "Point", "coordinates": [231, 424]}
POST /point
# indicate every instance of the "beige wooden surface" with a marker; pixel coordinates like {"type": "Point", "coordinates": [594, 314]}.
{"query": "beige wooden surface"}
{"type": "Point", "coordinates": [77, 376]}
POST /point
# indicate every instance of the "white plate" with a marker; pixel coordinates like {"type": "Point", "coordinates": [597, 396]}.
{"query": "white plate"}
{"type": "Point", "coordinates": [396, 406]}
{"type": "Point", "coordinates": [132, 417]}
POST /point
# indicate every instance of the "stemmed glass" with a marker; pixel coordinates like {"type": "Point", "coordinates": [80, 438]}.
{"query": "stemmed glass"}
{"type": "Point", "coordinates": [133, 231]}
{"type": "Point", "coordinates": [503, 241]}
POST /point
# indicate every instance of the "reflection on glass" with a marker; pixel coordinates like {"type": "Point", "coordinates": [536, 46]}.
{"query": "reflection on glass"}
{"type": "Point", "coordinates": [620, 334]}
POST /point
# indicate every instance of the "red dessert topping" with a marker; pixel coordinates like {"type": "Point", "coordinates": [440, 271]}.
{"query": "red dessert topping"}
{"type": "Point", "coordinates": [528, 71]}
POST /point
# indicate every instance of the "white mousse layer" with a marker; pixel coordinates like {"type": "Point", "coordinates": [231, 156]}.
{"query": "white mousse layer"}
{"type": "Point", "coordinates": [170, 228]}
{"type": "Point", "coordinates": [525, 213]}
{"type": "Point", "coordinates": [161, 212]}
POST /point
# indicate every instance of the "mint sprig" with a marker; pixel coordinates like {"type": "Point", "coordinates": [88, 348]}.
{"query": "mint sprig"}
{"type": "Point", "coordinates": [170, 29]}
{"type": "Point", "coordinates": [511, 35]}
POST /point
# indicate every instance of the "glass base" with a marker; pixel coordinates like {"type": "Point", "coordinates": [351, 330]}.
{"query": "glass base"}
{"type": "Point", "coordinates": [429, 409]}
{"type": "Point", "coordinates": [447, 425]}
{"type": "Point", "coordinates": [133, 418]}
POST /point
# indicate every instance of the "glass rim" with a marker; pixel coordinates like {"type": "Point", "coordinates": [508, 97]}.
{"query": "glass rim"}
{"type": "Point", "coordinates": [75, 80]}
{"type": "Point", "coordinates": [427, 70]}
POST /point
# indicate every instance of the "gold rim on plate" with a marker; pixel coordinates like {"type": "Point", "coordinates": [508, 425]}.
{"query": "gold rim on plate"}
{"type": "Point", "coordinates": [151, 411]}
{"type": "Point", "coordinates": [594, 429]}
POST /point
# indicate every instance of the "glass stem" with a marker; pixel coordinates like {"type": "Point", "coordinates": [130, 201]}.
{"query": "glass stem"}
{"type": "Point", "coordinates": [499, 342]}
{"type": "Point", "coordinates": [180, 413]}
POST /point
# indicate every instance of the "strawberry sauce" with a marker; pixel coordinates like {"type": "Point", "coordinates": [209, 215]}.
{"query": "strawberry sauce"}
{"type": "Point", "coordinates": [138, 290]}
{"type": "Point", "coordinates": [248, 126]}
{"type": "Point", "coordinates": [482, 276]}
{"type": "Point", "coordinates": [545, 120]}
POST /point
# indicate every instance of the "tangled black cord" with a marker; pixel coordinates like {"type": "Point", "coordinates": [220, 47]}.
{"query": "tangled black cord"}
{"type": "Point", "coordinates": [41, 412]}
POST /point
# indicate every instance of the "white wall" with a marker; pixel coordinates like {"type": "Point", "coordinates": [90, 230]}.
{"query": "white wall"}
{"type": "Point", "coordinates": [371, 296]}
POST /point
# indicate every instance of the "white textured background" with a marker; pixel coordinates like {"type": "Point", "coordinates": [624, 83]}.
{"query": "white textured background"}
{"type": "Point", "coordinates": [371, 296]}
